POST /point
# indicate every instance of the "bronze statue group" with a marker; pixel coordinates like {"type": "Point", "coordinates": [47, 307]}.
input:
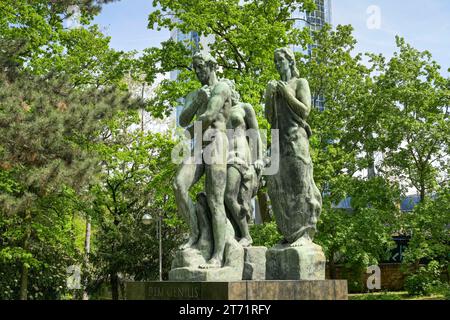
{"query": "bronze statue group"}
{"type": "Point", "coordinates": [232, 165]}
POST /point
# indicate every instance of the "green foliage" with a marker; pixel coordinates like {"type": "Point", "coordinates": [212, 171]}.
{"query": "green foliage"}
{"type": "Point", "coordinates": [40, 241]}
{"type": "Point", "coordinates": [39, 23]}
{"type": "Point", "coordinates": [246, 35]}
{"type": "Point", "coordinates": [47, 156]}
{"type": "Point", "coordinates": [44, 45]}
{"type": "Point", "coordinates": [68, 155]}
{"type": "Point", "coordinates": [413, 128]}
{"type": "Point", "coordinates": [428, 226]}
{"type": "Point", "coordinates": [425, 281]}
{"type": "Point", "coordinates": [382, 296]}
{"type": "Point", "coordinates": [444, 290]}
{"type": "Point", "coordinates": [362, 236]}
{"type": "Point", "coordinates": [84, 54]}
{"type": "Point", "coordinates": [342, 147]}
{"type": "Point", "coordinates": [341, 81]}
{"type": "Point", "coordinates": [136, 179]}
{"type": "Point", "coordinates": [265, 235]}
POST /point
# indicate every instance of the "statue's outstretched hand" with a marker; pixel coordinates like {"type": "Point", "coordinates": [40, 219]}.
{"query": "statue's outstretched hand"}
{"type": "Point", "coordinates": [271, 87]}
{"type": "Point", "coordinates": [259, 165]}
{"type": "Point", "coordinates": [284, 89]}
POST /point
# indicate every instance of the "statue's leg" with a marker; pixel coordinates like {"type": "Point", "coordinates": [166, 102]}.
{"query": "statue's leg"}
{"type": "Point", "coordinates": [235, 208]}
{"type": "Point", "coordinates": [188, 174]}
{"type": "Point", "coordinates": [204, 221]}
{"type": "Point", "coordinates": [215, 184]}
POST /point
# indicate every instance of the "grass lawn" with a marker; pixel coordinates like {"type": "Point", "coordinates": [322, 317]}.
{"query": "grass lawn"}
{"type": "Point", "coordinates": [403, 295]}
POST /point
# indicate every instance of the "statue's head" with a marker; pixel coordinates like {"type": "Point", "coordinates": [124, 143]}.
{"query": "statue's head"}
{"type": "Point", "coordinates": [285, 61]}
{"type": "Point", "coordinates": [204, 66]}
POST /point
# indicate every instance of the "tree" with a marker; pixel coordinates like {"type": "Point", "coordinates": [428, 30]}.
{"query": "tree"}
{"type": "Point", "coordinates": [429, 229]}
{"type": "Point", "coordinates": [38, 24]}
{"type": "Point", "coordinates": [342, 122]}
{"type": "Point", "coordinates": [414, 126]}
{"type": "Point", "coordinates": [45, 125]}
{"type": "Point", "coordinates": [56, 93]}
{"type": "Point", "coordinates": [341, 82]}
{"type": "Point", "coordinates": [36, 248]}
{"type": "Point", "coordinates": [359, 236]}
{"type": "Point", "coordinates": [46, 46]}
{"type": "Point", "coordinates": [85, 56]}
{"type": "Point", "coordinates": [245, 37]}
{"type": "Point", "coordinates": [137, 175]}
{"type": "Point", "coordinates": [265, 235]}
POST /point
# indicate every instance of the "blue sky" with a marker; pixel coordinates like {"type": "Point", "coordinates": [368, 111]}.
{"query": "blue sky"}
{"type": "Point", "coordinates": [424, 24]}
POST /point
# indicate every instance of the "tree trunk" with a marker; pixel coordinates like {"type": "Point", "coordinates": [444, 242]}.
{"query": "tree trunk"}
{"type": "Point", "coordinates": [87, 250]}
{"type": "Point", "coordinates": [371, 165]}
{"type": "Point", "coordinates": [25, 268]}
{"type": "Point", "coordinates": [332, 267]}
{"type": "Point", "coordinates": [114, 286]}
{"type": "Point", "coordinates": [263, 206]}
{"type": "Point", "coordinates": [24, 283]}
{"type": "Point", "coordinates": [422, 192]}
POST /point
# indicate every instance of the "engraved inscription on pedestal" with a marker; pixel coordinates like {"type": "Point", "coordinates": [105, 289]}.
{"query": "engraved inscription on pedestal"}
{"type": "Point", "coordinates": [239, 290]}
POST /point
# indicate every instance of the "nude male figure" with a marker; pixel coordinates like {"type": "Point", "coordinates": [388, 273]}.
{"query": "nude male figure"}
{"type": "Point", "coordinates": [210, 105]}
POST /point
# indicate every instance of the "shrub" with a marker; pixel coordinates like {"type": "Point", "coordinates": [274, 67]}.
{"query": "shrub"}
{"type": "Point", "coordinates": [266, 235]}
{"type": "Point", "coordinates": [425, 281]}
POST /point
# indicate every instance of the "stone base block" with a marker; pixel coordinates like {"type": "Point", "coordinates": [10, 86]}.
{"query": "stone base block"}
{"type": "Point", "coordinates": [295, 263]}
{"type": "Point", "coordinates": [254, 263]}
{"type": "Point", "coordinates": [185, 266]}
{"type": "Point", "coordinates": [196, 274]}
{"type": "Point", "coordinates": [240, 290]}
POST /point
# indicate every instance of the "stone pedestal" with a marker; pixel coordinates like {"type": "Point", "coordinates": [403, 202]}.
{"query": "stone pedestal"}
{"type": "Point", "coordinates": [212, 275]}
{"type": "Point", "coordinates": [295, 263]}
{"type": "Point", "coordinates": [254, 263]}
{"type": "Point", "coordinates": [240, 290]}
{"type": "Point", "coordinates": [187, 262]}
{"type": "Point", "coordinates": [185, 266]}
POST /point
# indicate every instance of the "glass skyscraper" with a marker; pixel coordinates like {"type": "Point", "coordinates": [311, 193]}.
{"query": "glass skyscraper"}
{"type": "Point", "coordinates": [321, 15]}
{"type": "Point", "coordinates": [318, 18]}
{"type": "Point", "coordinates": [314, 21]}
{"type": "Point", "coordinates": [194, 39]}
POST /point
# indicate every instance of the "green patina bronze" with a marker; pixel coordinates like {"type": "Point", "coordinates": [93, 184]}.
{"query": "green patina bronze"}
{"type": "Point", "coordinates": [295, 199]}
{"type": "Point", "coordinates": [219, 219]}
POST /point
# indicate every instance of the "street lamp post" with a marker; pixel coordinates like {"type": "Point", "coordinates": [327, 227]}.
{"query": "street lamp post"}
{"type": "Point", "coordinates": [160, 247]}
{"type": "Point", "coordinates": [147, 219]}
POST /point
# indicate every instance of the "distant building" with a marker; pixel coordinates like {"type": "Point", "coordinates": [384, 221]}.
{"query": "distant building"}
{"type": "Point", "coordinates": [314, 21]}
{"type": "Point", "coordinates": [401, 240]}
{"type": "Point", "coordinates": [321, 16]}
{"type": "Point", "coordinates": [407, 203]}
